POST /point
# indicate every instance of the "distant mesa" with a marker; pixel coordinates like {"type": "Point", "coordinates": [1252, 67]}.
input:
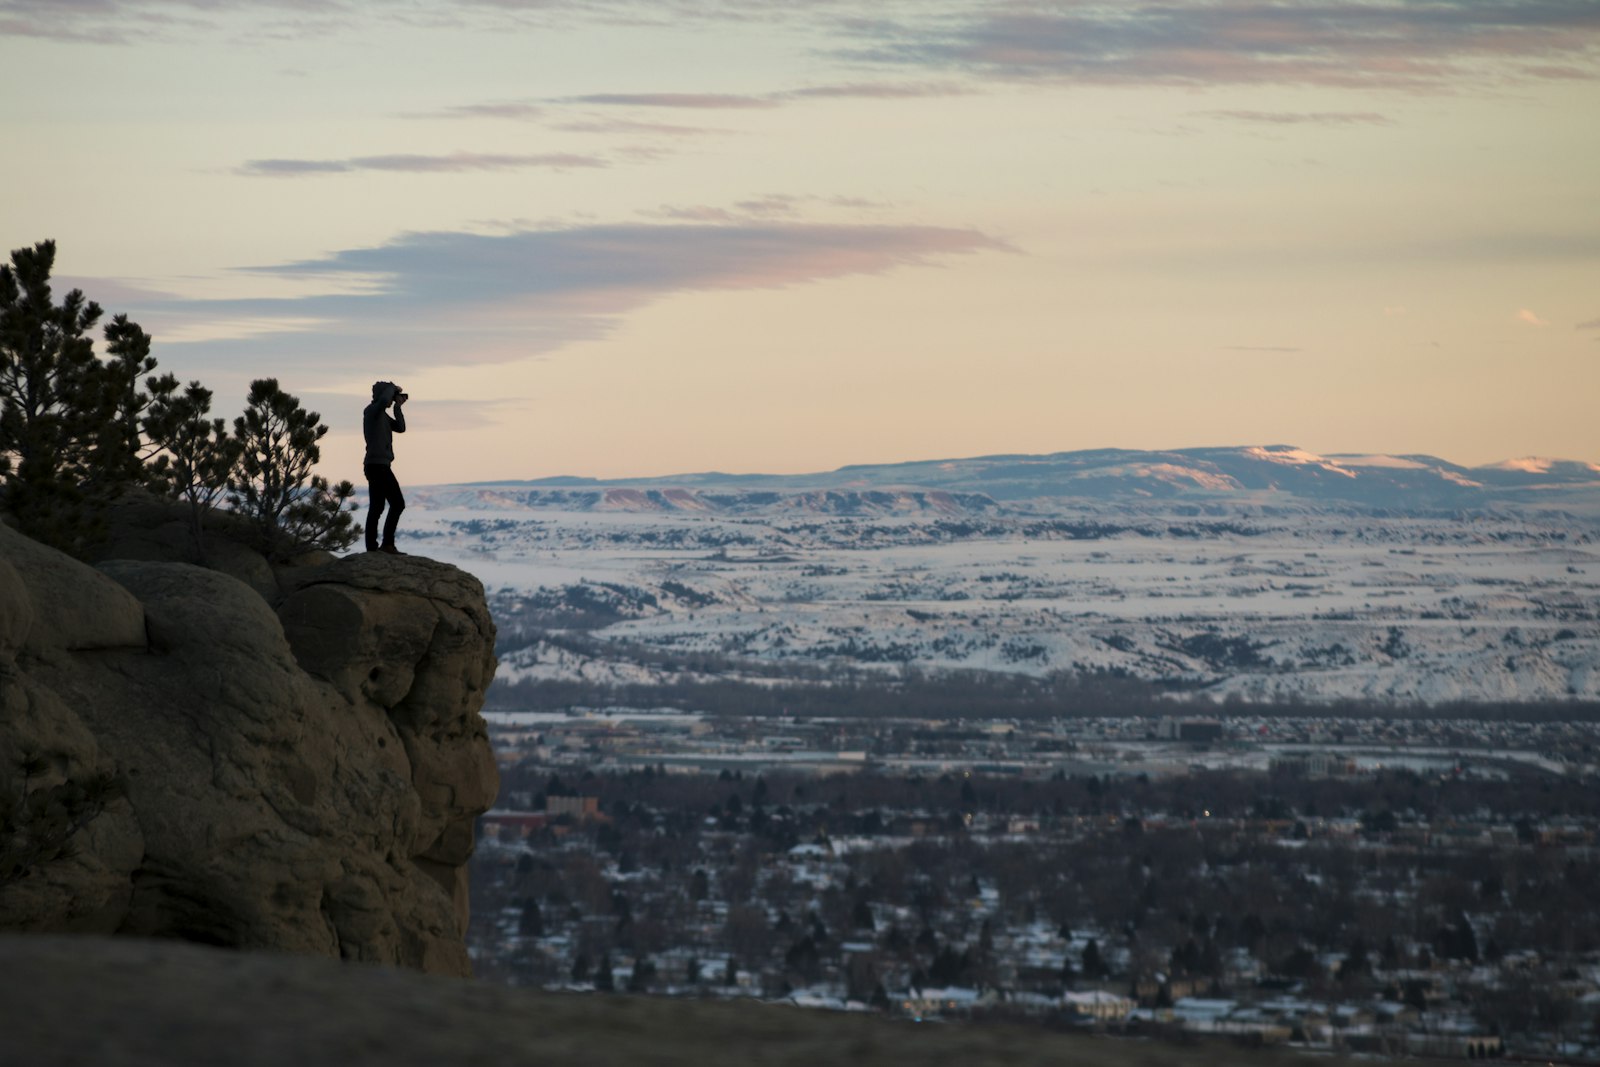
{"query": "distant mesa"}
{"type": "Point", "coordinates": [1263, 475]}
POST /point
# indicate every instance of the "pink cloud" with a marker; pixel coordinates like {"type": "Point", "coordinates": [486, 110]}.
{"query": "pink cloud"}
{"type": "Point", "coordinates": [454, 162]}
{"type": "Point", "coordinates": [502, 297]}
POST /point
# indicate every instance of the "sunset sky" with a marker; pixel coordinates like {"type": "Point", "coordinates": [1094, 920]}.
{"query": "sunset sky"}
{"type": "Point", "coordinates": [633, 238]}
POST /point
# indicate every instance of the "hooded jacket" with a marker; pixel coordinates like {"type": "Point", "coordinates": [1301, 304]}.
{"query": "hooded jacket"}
{"type": "Point", "coordinates": [379, 428]}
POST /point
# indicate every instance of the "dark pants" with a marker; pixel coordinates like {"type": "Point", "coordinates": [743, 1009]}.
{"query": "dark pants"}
{"type": "Point", "coordinates": [382, 489]}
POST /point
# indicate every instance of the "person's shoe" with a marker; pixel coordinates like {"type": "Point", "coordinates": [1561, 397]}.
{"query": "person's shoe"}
{"type": "Point", "coordinates": [372, 548]}
{"type": "Point", "coordinates": [393, 551]}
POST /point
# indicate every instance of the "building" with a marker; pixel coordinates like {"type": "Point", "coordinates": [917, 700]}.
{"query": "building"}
{"type": "Point", "coordinates": [581, 808]}
{"type": "Point", "coordinates": [1314, 764]}
{"type": "Point", "coordinates": [511, 825]}
{"type": "Point", "coordinates": [1098, 1004]}
{"type": "Point", "coordinates": [1195, 731]}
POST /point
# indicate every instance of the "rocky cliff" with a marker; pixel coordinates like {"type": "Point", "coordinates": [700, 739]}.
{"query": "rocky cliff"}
{"type": "Point", "coordinates": [301, 757]}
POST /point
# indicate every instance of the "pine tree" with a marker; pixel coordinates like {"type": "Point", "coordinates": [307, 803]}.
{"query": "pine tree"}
{"type": "Point", "coordinates": [644, 973]}
{"type": "Point", "coordinates": [1093, 966]}
{"type": "Point", "coordinates": [121, 449]}
{"type": "Point", "coordinates": [68, 422]}
{"type": "Point", "coordinates": [195, 453]}
{"type": "Point", "coordinates": [531, 923]}
{"type": "Point", "coordinates": [272, 484]}
{"type": "Point", "coordinates": [1067, 975]}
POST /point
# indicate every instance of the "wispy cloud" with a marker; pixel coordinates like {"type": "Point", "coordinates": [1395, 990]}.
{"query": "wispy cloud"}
{"type": "Point", "coordinates": [694, 213]}
{"type": "Point", "coordinates": [489, 298]}
{"type": "Point", "coordinates": [746, 101]}
{"type": "Point", "coordinates": [131, 21]}
{"type": "Point", "coordinates": [1437, 44]}
{"type": "Point", "coordinates": [1381, 44]}
{"type": "Point", "coordinates": [1300, 118]}
{"type": "Point", "coordinates": [519, 111]}
{"type": "Point", "coordinates": [531, 111]}
{"type": "Point", "coordinates": [453, 162]}
{"type": "Point", "coordinates": [87, 21]}
{"type": "Point", "coordinates": [462, 414]}
{"type": "Point", "coordinates": [110, 293]}
{"type": "Point", "coordinates": [875, 91]}
{"type": "Point", "coordinates": [437, 414]}
{"type": "Point", "coordinates": [632, 126]}
{"type": "Point", "coordinates": [770, 206]}
{"type": "Point", "coordinates": [1531, 319]}
{"type": "Point", "coordinates": [1592, 324]}
{"type": "Point", "coordinates": [636, 259]}
{"type": "Point", "coordinates": [125, 20]}
{"type": "Point", "coordinates": [700, 101]}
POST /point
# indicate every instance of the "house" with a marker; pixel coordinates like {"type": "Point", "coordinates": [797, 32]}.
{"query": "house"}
{"type": "Point", "coordinates": [950, 1001]}
{"type": "Point", "coordinates": [582, 809]}
{"type": "Point", "coordinates": [511, 825]}
{"type": "Point", "coordinates": [1195, 731]}
{"type": "Point", "coordinates": [1098, 1004]}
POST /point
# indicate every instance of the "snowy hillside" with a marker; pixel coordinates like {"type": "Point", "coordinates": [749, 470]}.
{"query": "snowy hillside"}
{"type": "Point", "coordinates": [1264, 603]}
{"type": "Point", "coordinates": [1268, 476]}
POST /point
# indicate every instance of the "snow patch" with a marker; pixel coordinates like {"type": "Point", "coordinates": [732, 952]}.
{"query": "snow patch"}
{"type": "Point", "coordinates": [1298, 457]}
{"type": "Point", "coordinates": [1399, 463]}
{"type": "Point", "coordinates": [1527, 464]}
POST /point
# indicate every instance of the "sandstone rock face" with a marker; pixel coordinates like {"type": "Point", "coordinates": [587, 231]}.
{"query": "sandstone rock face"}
{"type": "Point", "coordinates": [301, 775]}
{"type": "Point", "coordinates": [70, 607]}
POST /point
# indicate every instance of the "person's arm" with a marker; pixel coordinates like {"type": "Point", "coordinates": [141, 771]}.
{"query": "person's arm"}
{"type": "Point", "coordinates": [398, 423]}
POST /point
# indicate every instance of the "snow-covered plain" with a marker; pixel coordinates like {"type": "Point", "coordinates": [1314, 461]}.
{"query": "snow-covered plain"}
{"type": "Point", "coordinates": [1259, 602]}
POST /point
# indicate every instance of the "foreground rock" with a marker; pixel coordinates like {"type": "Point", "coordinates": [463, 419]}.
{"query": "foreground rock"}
{"type": "Point", "coordinates": [303, 758]}
{"type": "Point", "coordinates": [128, 1003]}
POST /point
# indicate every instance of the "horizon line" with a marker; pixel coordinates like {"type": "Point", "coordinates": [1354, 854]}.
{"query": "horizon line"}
{"type": "Point", "coordinates": [555, 480]}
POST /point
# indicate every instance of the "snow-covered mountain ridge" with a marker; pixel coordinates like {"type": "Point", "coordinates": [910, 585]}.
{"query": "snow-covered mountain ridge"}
{"type": "Point", "coordinates": [1266, 572]}
{"type": "Point", "coordinates": [1271, 475]}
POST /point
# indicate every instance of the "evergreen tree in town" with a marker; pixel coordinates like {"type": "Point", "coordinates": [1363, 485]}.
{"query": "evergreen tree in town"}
{"type": "Point", "coordinates": [604, 981]}
{"type": "Point", "coordinates": [1093, 967]}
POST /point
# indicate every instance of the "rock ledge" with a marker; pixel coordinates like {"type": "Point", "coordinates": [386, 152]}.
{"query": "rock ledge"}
{"type": "Point", "coordinates": [301, 775]}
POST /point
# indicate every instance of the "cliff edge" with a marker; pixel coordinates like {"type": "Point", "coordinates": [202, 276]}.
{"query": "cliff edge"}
{"type": "Point", "coordinates": [302, 757]}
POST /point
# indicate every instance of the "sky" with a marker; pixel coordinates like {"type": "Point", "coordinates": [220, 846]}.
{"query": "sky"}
{"type": "Point", "coordinates": [623, 238]}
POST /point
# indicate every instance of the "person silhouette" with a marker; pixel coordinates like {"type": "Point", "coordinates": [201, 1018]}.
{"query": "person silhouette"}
{"type": "Point", "coordinates": [383, 489]}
